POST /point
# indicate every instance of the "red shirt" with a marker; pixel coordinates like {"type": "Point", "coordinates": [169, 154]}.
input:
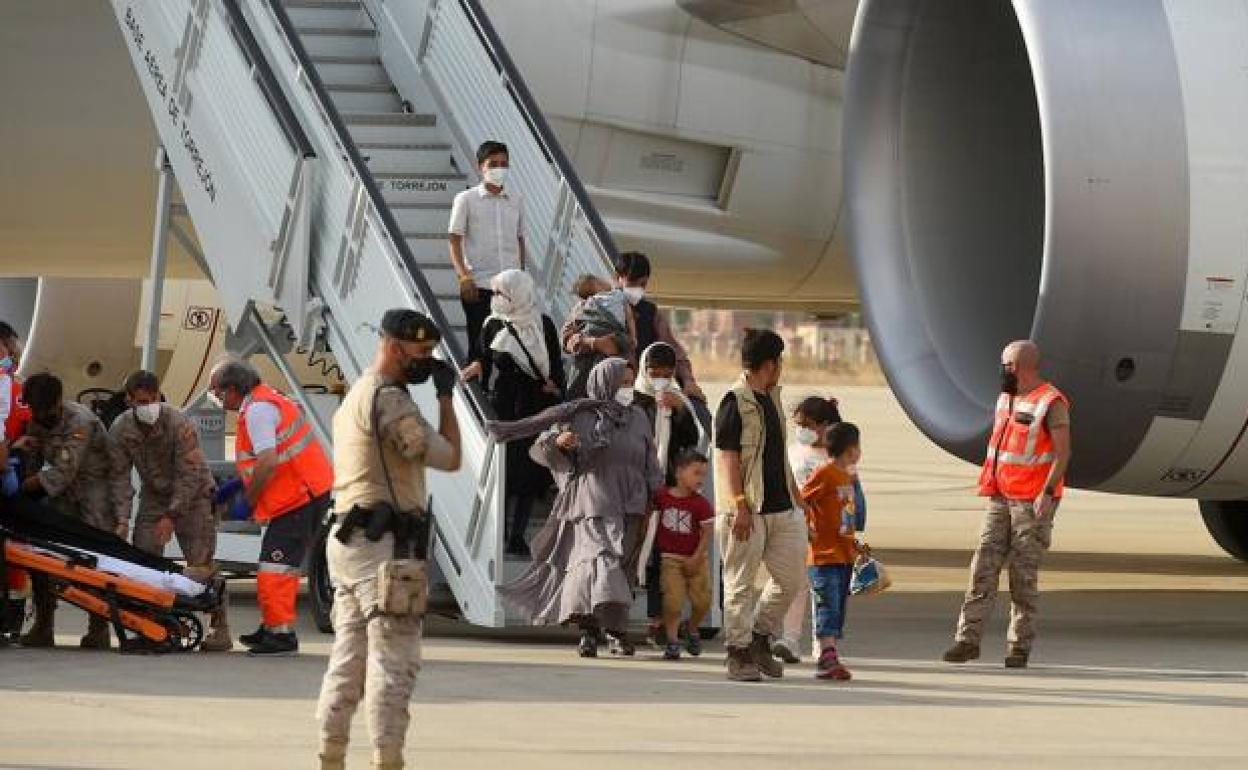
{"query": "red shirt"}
{"type": "Point", "coordinates": [680, 522]}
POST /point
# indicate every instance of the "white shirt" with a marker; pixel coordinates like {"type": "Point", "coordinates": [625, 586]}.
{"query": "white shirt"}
{"type": "Point", "coordinates": [805, 460]}
{"type": "Point", "coordinates": [262, 421]}
{"type": "Point", "coordinates": [492, 226]}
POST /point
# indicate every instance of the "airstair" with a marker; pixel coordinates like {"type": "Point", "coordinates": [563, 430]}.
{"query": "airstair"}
{"type": "Point", "coordinates": [318, 145]}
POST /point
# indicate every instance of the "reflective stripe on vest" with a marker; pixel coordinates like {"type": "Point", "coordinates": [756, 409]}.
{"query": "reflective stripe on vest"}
{"type": "Point", "coordinates": [303, 470]}
{"type": "Point", "coordinates": [1020, 455]}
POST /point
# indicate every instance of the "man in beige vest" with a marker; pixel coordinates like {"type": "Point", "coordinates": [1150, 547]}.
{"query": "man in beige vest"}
{"type": "Point", "coordinates": [382, 445]}
{"type": "Point", "coordinates": [758, 522]}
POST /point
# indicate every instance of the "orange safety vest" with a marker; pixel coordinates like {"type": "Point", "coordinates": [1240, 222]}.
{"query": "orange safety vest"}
{"type": "Point", "coordinates": [303, 471]}
{"type": "Point", "coordinates": [1020, 452]}
{"type": "Point", "coordinates": [19, 413]}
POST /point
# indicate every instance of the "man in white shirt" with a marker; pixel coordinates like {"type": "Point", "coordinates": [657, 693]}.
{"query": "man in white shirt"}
{"type": "Point", "coordinates": [486, 237]}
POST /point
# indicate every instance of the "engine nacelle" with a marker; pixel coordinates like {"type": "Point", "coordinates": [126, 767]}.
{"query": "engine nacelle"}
{"type": "Point", "coordinates": [1071, 171]}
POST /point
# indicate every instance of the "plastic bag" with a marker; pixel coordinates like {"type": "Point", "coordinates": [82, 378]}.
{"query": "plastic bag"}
{"type": "Point", "coordinates": [869, 576]}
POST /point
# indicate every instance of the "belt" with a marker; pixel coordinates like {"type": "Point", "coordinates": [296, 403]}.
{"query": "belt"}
{"type": "Point", "coordinates": [411, 529]}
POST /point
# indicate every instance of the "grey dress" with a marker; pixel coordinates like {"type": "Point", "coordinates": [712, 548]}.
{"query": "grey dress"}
{"type": "Point", "coordinates": [584, 557]}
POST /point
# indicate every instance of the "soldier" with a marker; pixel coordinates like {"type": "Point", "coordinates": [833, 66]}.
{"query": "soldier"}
{"type": "Point", "coordinates": [382, 446]}
{"type": "Point", "coordinates": [1027, 459]}
{"type": "Point", "coordinates": [287, 479]}
{"type": "Point", "coordinates": [161, 443]}
{"type": "Point", "coordinates": [76, 476]}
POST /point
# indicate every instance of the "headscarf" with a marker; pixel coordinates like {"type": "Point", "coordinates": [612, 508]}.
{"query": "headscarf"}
{"type": "Point", "coordinates": [515, 303]}
{"type": "Point", "coordinates": [610, 415]}
{"type": "Point", "coordinates": [662, 415]}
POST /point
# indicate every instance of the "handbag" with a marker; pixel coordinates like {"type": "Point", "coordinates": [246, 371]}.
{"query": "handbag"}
{"type": "Point", "coordinates": [869, 577]}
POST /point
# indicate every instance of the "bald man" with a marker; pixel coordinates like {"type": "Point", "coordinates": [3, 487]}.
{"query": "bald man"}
{"type": "Point", "coordinates": [1022, 476]}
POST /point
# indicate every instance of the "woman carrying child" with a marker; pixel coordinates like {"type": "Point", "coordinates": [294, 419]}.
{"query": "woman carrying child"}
{"type": "Point", "coordinates": [831, 516]}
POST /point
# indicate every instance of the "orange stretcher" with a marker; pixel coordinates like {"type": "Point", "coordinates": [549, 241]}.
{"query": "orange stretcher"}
{"type": "Point", "coordinates": [146, 617]}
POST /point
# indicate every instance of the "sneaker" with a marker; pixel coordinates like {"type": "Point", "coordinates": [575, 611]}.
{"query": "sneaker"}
{"type": "Point", "coordinates": [656, 634]}
{"type": "Point", "coordinates": [671, 652]}
{"type": "Point", "coordinates": [693, 643]}
{"type": "Point", "coordinates": [252, 639]}
{"type": "Point", "coordinates": [741, 666]}
{"type": "Point", "coordinates": [588, 646]}
{"type": "Point", "coordinates": [275, 646]}
{"type": "Point", "coordinates": [829, 666]}
{"type": "Point", "coordinates": [785, 653]}
{"type": "Point", "coordinates": [760, 651]}
{"type": "Point", "coordinates": [1017, 658]}
{"type": "Point", "coordinates": [618, 644]}
{"type": "Point", "coordinates": [961, 652]}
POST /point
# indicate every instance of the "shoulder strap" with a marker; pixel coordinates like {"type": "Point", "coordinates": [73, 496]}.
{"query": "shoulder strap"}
{"type": "Point", "coordinates": [374, 413]}
{"type": "Point", "coordinates": [537, 372]}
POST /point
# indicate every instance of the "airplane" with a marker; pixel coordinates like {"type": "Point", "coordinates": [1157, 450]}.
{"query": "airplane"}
{"type": "Point", "coordinates": [966, 171]}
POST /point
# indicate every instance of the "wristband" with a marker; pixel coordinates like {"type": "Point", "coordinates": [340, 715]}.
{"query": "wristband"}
{"type": "Point", "coordinates": [466, 278]}
{"type": "Point", "coordinates": [738, 498]}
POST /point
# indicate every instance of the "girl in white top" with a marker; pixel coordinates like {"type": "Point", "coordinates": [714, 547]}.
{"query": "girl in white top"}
{"type": "Point", "coordinates": [813, 417]}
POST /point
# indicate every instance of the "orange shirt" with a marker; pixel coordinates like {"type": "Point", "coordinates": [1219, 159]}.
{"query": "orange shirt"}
{"type": "Point", "coordinates": [829, 498]}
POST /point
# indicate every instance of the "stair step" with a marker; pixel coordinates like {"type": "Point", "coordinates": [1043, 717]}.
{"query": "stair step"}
{"type": "Point", "coordinates": [348, 60]}
{"type": "Point", "coordinates": [414, 146]}
{"type": "Point", "coordinates": [433, 188]}
{"type": "Point", "coordinates": [417, 160]}
{"type": "Point", "coordinates": [422, 217]}
{"type": "Point", "coordinates": [414, 119]}
{"type": "Point", "coordinates": [377, 98]}
{"type": "Point", "coordinates": [336, 32]}
{"type": "Point", "coordinates": [424, 236]}
{"type": "Point", "coordinates": [325, 5]}
{"type": "Point", "coordinates": [346, 16]}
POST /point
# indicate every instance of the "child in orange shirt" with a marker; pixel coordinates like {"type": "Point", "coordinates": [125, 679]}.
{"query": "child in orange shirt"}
{"type": "Point", "coordinates": [830, 515]}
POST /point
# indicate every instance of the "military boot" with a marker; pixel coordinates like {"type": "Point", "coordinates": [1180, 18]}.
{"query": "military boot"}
{"type": "Point", "coordinates": [388, 759]}
{"type": "Point", "coordinates": [98, 636]}
{"type": "Point", "coordinates": [760, 652]}
{"type": "Point", "coordinates": [741, 666]}
{"type": "Point", "coordinates": [1017, 657]}
{"type": "Point", "coordinates": [333, 755]}
{"type": "Point", "coordinates": [218, 640]}
{"type": "Point", "coordinates": [41, 633]}
{"type": "Point", "coordinates": [961, 652]}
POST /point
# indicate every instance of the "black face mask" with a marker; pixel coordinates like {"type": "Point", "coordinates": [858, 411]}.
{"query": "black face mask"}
{"type": "Point", "coordinates": [418, 370]}
{"type": "Point", "coordinates": [1009, 382]}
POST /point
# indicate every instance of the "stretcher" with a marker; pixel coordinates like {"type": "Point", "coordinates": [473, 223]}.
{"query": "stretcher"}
{"type": "Point", "coordinates": [151, 605]}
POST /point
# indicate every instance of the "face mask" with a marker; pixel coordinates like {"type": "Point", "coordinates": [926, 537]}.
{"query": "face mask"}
{"type": "Point", "coordinates": [660, 384]}
{"type": "Point", "coordinates": [6, 364]}
{"type": "Point", "coordinates": [418, 370]}
{"type": "Point", "coordinates": [805, 436]}
{"type": "Point", "coordinates": [1009, 382]}
{"type": "Point", "coordinates": [496, 176]}
{"type": "Point", "coordinates": [635, 294]}
{"type": "Point", "coordinates": [147, 414]}
{"type": "Point", "coordinates": [624, 396]}
{"type": "Point", "coordinates": [215, 400]}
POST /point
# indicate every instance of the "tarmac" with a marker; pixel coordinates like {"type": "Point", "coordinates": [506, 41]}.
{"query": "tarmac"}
{"type": "Point", "coordinates": [1141, 662]}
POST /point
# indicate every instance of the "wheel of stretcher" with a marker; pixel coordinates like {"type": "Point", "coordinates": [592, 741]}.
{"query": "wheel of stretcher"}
{"type": "Point", "coordinates": [186, 631]}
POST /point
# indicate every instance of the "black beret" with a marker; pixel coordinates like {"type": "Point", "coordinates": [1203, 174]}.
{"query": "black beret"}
{"type": "Point", "coordinates": [409, 326]}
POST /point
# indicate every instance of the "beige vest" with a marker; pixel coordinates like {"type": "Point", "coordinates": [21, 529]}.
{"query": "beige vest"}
{"type": "Point", "coordinates": [753, 439]}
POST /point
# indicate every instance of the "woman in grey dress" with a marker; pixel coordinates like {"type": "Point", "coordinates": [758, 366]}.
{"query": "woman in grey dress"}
{"type": "Point", "coordinates": [601, 451]}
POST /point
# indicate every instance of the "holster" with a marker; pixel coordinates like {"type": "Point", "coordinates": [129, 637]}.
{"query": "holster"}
{"type": "Point", "coordinates": [411, 529]}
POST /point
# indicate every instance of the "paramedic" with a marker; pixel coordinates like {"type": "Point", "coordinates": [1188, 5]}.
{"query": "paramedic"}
{"type": "Point", "coordinates": [72, 451]}
{"type": "Point", "coordinates": [161, 443]}
{"type": "Point", "coordinates": [287, 479]}
{"type": "Point", "coordinates": [382, 445]}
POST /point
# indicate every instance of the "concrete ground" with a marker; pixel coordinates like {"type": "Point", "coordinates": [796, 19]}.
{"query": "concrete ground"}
{"type": "Point", "coordinates": [1142, 662]}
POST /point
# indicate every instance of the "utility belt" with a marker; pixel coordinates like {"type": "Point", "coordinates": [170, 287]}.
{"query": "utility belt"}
{"type": "Point", "coordinates": [411, 529]}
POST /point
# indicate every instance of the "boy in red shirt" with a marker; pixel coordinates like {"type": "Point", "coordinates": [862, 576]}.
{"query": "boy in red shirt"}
{"type": "Point", "coordinates": [683, 538]}
{"type": "Point", "coordinates": [830, 509]}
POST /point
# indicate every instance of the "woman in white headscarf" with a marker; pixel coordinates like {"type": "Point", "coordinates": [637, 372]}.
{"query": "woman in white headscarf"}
{"type": "Point", "coordinates": [522, 373]}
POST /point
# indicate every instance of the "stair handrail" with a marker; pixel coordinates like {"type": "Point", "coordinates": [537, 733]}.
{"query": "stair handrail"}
{"type": "Point", "coordinates": [393, 233]}
{"type": "Point", "coordinates": [268, 81]}
{"type": "Point", "coordinates": [541, 130]}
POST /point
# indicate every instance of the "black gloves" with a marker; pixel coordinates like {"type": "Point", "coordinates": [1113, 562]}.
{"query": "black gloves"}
{"type": "Point", "coordinates": [444, 378]}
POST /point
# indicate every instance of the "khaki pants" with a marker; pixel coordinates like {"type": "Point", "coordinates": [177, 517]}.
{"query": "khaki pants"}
{"type": "Point", "coordinates": [1012, 533]}
{"type": "Point", "coordinates": [375, 657]}
{"type": "Point", "coordinates": [778, 542]}
{"type": "Point", "coordinates": [677, 588]}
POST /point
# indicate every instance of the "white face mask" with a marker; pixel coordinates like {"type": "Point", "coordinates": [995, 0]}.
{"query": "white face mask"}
{"type": "Point", "coordinates": [635, 294]}
{"type": "Point", "coordinates": [805, 436]}
{"type": "Point", "coordinates": [496, 176]}
{"type": "Point", "coordinates": [625, 396]}
{"type": "Point", "coordinates": [661, 384]}
{"type": "Point", "coordinates": [215, 400]}
{"type": "Point", "coordinates": [147, 414]}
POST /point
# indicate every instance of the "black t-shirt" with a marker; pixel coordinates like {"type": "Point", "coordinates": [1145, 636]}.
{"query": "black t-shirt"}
{"type": "Point", "coordinates": [728, 438]}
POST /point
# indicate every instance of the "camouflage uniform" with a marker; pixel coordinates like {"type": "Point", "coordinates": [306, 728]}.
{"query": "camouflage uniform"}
{"type": "Point", "coordinates": [375, 657]}
{"type": "Point", "coordinates": [176, 483]}
{"type": "Point", "coordinates": [76, 472]}
{"type": "Point", "coordinates": [1011, 532]}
